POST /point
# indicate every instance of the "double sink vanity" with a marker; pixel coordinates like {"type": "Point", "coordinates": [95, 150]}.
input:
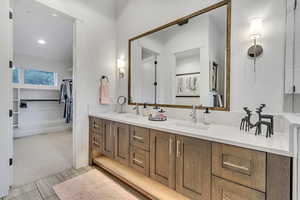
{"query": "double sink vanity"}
{"type": "Point", "coordinates": [177, 159]}
{"type": "Point", "coordinates": [186, 64]}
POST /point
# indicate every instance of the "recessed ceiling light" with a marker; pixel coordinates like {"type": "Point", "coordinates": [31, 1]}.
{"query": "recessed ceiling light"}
{"type": "Point", "coordinates": [41, 41]}
{"type": "Point", "coordinates": [54, 15]}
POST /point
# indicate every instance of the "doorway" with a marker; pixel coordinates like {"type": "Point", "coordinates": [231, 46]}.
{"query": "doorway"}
{"type": "Point", "coordinates": [42, 91]}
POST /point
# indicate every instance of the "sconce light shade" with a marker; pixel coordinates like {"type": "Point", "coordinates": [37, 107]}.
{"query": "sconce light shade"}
{"type": "Point", "coordinates": [120, 63]}
{"type": "Point", "coordinates": [255, 28]}
{"type": "Point", "coordinates": [121, 66]}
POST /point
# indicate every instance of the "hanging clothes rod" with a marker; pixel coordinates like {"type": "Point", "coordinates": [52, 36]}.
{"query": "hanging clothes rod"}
{"type": "Point", "coordinates": [67, 80]}
{"type": "Point", "coordinates": [28, 100]}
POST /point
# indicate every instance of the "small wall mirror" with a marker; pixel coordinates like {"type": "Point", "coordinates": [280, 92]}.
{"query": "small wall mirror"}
{"type": "Point", "coordinates": [184, 63]}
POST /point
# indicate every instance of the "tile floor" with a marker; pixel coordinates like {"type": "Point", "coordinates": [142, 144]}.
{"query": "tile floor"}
{"type": "Point", "coordinates": [42, 188]}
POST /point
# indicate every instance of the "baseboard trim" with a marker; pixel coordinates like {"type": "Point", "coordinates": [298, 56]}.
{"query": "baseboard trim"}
{"type": "Point", "coordinates": [40, 130]}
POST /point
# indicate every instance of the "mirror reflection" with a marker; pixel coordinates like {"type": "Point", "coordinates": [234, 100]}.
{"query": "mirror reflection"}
{"type": "Point", "coordinates": [183, 64]}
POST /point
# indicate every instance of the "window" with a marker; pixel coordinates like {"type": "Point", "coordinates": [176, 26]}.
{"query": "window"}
{"type": "Point", "coordinates": [36, 77]}
{"type": "Point", "coordinates": [16, 75]}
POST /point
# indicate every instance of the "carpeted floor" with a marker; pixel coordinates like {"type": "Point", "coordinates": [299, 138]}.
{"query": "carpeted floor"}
{"type": "Point", "coordinates": [41, 155]}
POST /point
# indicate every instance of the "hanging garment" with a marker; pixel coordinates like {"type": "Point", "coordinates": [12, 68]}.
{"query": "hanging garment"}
{"type": "Point", "coordinates": [66, 98]}
{"type": "Point", "coordinates": [104, 91]}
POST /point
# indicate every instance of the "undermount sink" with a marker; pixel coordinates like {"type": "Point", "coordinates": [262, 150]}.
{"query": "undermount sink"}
{"type": "Point", "coordinates": [192, 125]}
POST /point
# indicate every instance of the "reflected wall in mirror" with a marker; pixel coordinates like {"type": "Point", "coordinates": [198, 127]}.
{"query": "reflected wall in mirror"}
{"type": "Point", "coordinates": [183, 63]}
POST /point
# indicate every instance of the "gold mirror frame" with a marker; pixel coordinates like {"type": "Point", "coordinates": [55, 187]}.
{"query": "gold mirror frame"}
{"type": "Point", "coordinates": [228, 55]}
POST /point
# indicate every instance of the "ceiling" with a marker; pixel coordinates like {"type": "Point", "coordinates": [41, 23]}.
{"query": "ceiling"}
{"type": "Point", "coordinates": [34, 21]}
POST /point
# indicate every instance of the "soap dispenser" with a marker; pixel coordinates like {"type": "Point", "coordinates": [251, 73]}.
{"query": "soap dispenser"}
{"type": "Point", "coordinates": [145, 111]}
{"type": "Point", "coordinates": [206, 116]}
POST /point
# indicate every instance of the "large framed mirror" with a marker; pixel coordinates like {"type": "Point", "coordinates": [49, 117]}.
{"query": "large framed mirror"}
{"type": "Point", "coordinates": [184, 63]}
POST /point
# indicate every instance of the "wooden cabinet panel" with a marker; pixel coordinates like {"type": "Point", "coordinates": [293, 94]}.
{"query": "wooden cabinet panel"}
{"type": "Point", "coordinates": [226, 190]}
{"type": "Point", "coordinates": [140, 137]}
{"type": "Point", "coordinates": [162, 157]}
{"type": "Point", "coordinates": [139, 160]}
{"type": "Point", "coordinates": [193, 168]}
{"type": "Point", "coordinates": [243, 166]}
{"type": "Point", "coordinates": [95, 124]}
{"type": "Point", "coordinates": [279, 175]}
{"type": "Point", "coordinates": [108, 139]}
{"type": "Point", "coordinates": [121, 134]}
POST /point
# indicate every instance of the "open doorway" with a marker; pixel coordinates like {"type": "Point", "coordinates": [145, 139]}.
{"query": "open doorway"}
{"type": "Point", "coordinates": [42, 91]}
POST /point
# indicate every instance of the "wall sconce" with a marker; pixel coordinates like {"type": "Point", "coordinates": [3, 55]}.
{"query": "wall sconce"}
{"type": "Point", "coordinates": [255, 33]}
{"type": "Point", "coordinates": [121, 67]}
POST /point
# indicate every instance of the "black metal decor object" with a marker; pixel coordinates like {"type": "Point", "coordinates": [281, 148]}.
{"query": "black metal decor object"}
{"type": "Point", "coordinates": [155, 84]}
{"type": "Point", "coordinates": [263, 120]}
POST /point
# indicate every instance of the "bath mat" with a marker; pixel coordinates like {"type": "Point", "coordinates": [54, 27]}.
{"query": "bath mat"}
{"type": "Point", "coordinates": [93, 185]}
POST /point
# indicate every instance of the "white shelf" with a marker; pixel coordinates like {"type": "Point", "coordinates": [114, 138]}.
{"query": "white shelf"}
{"type": "Point", "coordinates": [35, 87]}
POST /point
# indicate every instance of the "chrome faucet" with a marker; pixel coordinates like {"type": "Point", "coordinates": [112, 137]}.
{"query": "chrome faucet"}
{"type": "Point", "coordinates": [137, 109]}
{"type": "Point", "coordinates": [193, 114]}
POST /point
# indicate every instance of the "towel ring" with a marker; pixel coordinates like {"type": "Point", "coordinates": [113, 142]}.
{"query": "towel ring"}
{"type": "Point", "coordinates": [105, 77]}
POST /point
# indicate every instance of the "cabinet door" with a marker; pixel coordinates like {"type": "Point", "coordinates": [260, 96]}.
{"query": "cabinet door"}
{"type": "Point", "coordinates": [121, 134]}
{"type": "Point", "coordinates": [108, 139]}
{"type": "Point", "coordinates": [162, 158]}
{"type": "Point", "coordinates": [193, 168]}
{"type": "Point", "coordinates": [226, 190]}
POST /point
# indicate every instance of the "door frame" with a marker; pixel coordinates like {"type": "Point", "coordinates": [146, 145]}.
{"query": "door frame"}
{"type": "Point", "coordinates": [75, 137]}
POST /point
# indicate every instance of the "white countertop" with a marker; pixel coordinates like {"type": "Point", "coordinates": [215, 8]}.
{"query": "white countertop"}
{"type": "Point", "coordinates": [279, 143]}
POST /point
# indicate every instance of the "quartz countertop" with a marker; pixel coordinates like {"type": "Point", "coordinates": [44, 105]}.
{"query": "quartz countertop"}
{"type": "Point", "coordinates": [279, 143]}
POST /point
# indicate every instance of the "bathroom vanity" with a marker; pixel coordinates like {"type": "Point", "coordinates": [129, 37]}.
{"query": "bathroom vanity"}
{"type": "Point", "coordinates": [182, 160]}
{"type": "Point", "coordinates": [186, 64]}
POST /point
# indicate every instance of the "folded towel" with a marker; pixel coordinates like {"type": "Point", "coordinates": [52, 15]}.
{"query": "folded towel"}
{"type": "Point", "coordinates": [104, 92]}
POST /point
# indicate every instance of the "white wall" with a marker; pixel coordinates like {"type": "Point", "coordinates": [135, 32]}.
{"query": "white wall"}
{"type": "Point", "coordinates": [41, 117]}
{"type": "Point", "coordinates": [247, 88]}
{"type": "Point", "coordinates": [5, 104]}
{"type": "Point", "coordinates": [95, 49]}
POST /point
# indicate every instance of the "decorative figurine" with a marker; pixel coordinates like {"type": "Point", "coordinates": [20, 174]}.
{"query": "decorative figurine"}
{"type": "Point", "coordinates": [263, 120]}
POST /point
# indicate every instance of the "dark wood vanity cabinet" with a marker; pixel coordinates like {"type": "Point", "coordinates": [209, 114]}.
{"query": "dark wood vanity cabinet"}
{"type": "Point", "coordinates": [162, 157]}
{"type": "Point", "coordinates": [193, 168]}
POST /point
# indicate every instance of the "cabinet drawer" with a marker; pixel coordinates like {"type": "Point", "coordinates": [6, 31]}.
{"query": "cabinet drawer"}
{"type": "Point", "coordinates": [140, 137]}
{"type": "Point", "coordinates": [139, 160]}
{"type": "Point", "coordinates": [226, 190]}
{"type": "Point", "coordinates": [243, 166]}
{"type": "Point", "coordinates": [95, 124]}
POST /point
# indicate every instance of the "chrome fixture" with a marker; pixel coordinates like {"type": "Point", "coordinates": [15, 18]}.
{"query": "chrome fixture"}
{"type": "Point", "coordinates": [193, 114]}
{"type": "Point", "coordinates": [255, 50]}
{"type": "Point", "coordinates": [137, 109]}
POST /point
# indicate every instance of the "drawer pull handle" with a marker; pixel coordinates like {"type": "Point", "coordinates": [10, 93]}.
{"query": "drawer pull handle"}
{"type": "Point", "coordinates": [170, 146]}
{"type": "Point", "coordinates": [178, 149]}
{"type": "Point", "coordinates": [96, 143]}
{"type": "Point", "coordinates": [138, 138]}
{"type": "Point", "coordinates": [135, 160]}
{"type": "Point", "coordinates": [236, 166]}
